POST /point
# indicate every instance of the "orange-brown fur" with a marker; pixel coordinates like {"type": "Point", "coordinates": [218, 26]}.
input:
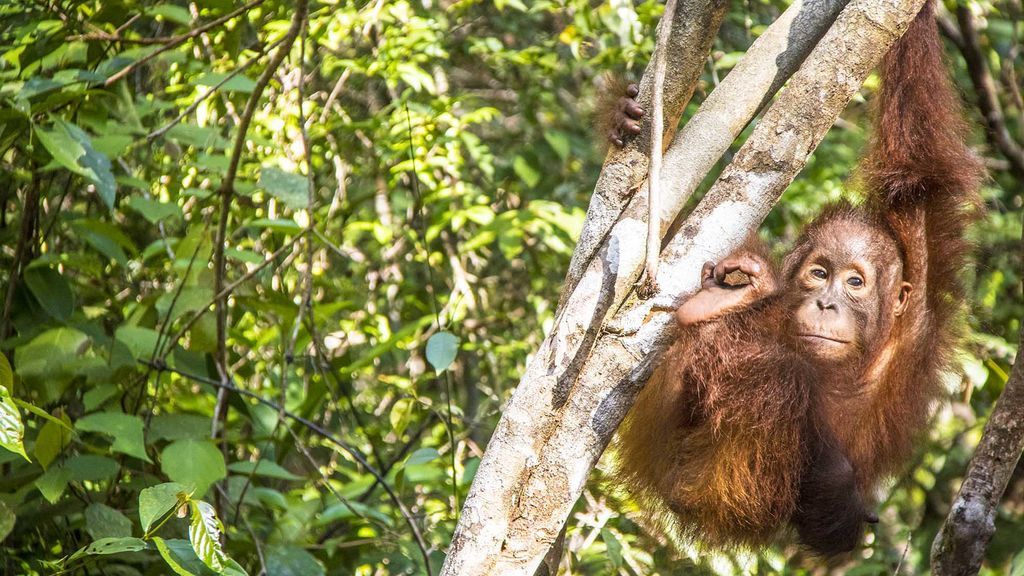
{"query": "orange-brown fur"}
{"type": "Point", "coordinates": [723, 431]}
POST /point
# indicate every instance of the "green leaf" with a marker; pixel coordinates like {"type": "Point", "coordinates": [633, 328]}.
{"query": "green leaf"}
{"type": "Point", "coordinates": [158, 500]}
{"type": "Point", "coordinates": [266, 468]}
{"type": "Point", "coordinates": [97, 396]}
{"type": "Point", "coordinates": [401, 413]}
{"type": "Point", "coordinates": [175, 14]}
{"type": "Point", "coordinates": [153, 210]}
{"type": "Point", "coordinates": [12, 430]}
{"type": "Point", "coordinates": [53, 482]}
{"type": "Point", "coordinates": [125, 428]}
{"type": "Point", "coordinates": [204, 533]}
{"type": "Point", "coordinates": [196, 463]}
{"type": "Point", "coordinates": [7, 520]}
{"type": "Point", "coordinates": [51, 290]}
{"type": "Point", "coordinates": [102, 521]}
{"type": "Point", "coordinates": [527, 173]}
{"type": "Point", "coordinates": [422, 456]}
{"type": "Point", "coordinates": [6, 373]}
{"type": "Point", "coordinates": [351, 509]}
{"type": "Point", "coordinates": [614, 547]}
{"type": "Point", "coordinates": [292, 189]}
{"type": "Point", "coordinates": [172, 562]}
{"type": "Point", "coordinates": [290, 560]}
{"type": "Point", "coordinates": [106, 546]}
{"type": "Point", "coordinates": [179, 427]}
{"type": "Point", "coordinates": [52, 439]}
{"type": "Point", "coordinates": [72, 148]}
{"type": "Point", "coordinates": [558, 141]}
{"type": "Point", "coordinates": [105, 239]}
{"type": "Point", "coordinates": [441, 350]}
{"type": "Point", "coordinates": [139, 340]}
{"type": "Point", "coordinates": [238, 83]}
{"type": "Point", "coordinates": [91, 468]}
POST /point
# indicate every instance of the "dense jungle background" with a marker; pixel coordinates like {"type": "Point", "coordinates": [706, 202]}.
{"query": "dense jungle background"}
{"type": "Point", "coordinates": [398, 185]}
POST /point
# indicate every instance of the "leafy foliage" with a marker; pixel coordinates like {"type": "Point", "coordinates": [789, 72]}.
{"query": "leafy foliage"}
{"type": "Point", "coordinates": [407, 198]}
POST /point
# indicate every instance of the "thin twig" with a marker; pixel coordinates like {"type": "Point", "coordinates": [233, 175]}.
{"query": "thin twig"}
{"type": "Point", "coordinates": [227, 290]}
{"type": "Point", "coordinates": [650, 284]}
{"type": "Point", "coordinates": [178, 40]}
{"type": "Point", "coordinates": [22, 251]}
{"type": "Point", "coordinates": [323, 433]}
{"type": "Point", "coordinates": [988, 99]}
{"type": "Point", "coordinates": [227, 190]}
{"type": "Point", "coordinates": [210, 92]}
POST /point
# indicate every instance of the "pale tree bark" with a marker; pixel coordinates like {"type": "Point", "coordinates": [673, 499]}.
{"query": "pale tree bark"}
{"type": "Point", "coordinates": [959, 548]}
{"type": "Point", "coordinates": [694, 27]}
{"type": "Point", "coordinates": [580, 384]}
{"type": "Point", "coordinates": [765, 67]}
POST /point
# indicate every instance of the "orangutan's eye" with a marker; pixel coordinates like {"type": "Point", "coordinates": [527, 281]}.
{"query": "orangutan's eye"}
{"type": "Point", "coordinates": [855, 281]}
{"type": "Point", "coordinates": [819, 273]}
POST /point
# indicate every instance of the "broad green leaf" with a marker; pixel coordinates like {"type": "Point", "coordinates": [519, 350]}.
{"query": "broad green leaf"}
{"type": "Point", "coordinates": [102, 521]}
{"type": "Point", "coordinates": [234, 569]}
{"type": "Point", "coordinates": [53, 482]}
{"type": "Point", "coordinates": [181, 553]}
{"type": "Point", "coordinates": [73, 149]}
{"type": "Point", "coordinates": [91, 467]}
{"type": "Point", "coordinates": [401, 413]}
{"type": "Point", "coordinates": [153, 210]}
{"type": "Point", "coordinates": [351, 509]}
{"type": "Point", "coordinates": [204, 533]}
{"type": "Point", "coordinates": [613, 546]}
{"type": "Point", "coordinates": [52, 440]}
{"type": "Point", "coordinates": [179, 427]}
{"type": "Point", "coordinates": [51, 290]}
{"type": "Point", "coordinates": [172, 562]}
{"type": "Point", "coordinates": [422, 456]}
{"type": "Point", "coordinates": [292, 189]}
{"type": "Point", "coordinates": [7, 520]}
{"type": "Point", "coordinates": [111, 546]}
{"type": "Point", "coordinates": [175, 14]}
{"type": "Point", "coordinates": [106, 239]}
{"type": "Point", "coordinates": [140, 341]}
{"type": "Point", "coordinates": [125, 428]}
{"type": "Point", "coordinates": [239, 83]}
{"type": "Point", "coordinates": [97, 396]}
{"type": "Point", "coordinates": [195, 463]}
{"type": "Point", "coordinates": [266, 468]}
{"type": "Point", "coordinates": [158, 500]}
{"type": "Point", "coordinates": [6, 373]}
{"type": "Point", "coordinates": [12, 430]}
{"type": "Point", "coordinates": [441, 350]}
{"type": "Point", "coordinates": [526, 172]}
{"type": "Point", "coordinates": [275, 225]}
{"type": "Point", "coordinates": [62, 422]}
{"type": "Point", "coordinates": [559, 141]}
{"type": "Point", "coordinates": [290, 560]}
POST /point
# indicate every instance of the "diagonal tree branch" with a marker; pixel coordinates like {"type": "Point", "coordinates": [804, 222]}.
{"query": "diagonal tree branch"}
{"type": "Point", "coordinates": [555, 427]}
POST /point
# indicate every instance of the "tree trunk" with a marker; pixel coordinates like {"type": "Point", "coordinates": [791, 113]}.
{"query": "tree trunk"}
{"type": "Point", "coordinates": [959, 547]}
{"type": "Point", "coordinates": [582, 381]}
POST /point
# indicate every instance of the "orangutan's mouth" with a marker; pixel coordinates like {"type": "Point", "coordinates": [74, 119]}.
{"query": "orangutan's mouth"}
{"type": "Point", "coordinates": [813, 337]}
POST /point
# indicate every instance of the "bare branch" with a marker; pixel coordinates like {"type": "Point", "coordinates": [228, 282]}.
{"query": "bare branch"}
{"type": "Point", "coordinates": [988, 97]}
{"type": "Point", "coordinates": [960, 545]}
